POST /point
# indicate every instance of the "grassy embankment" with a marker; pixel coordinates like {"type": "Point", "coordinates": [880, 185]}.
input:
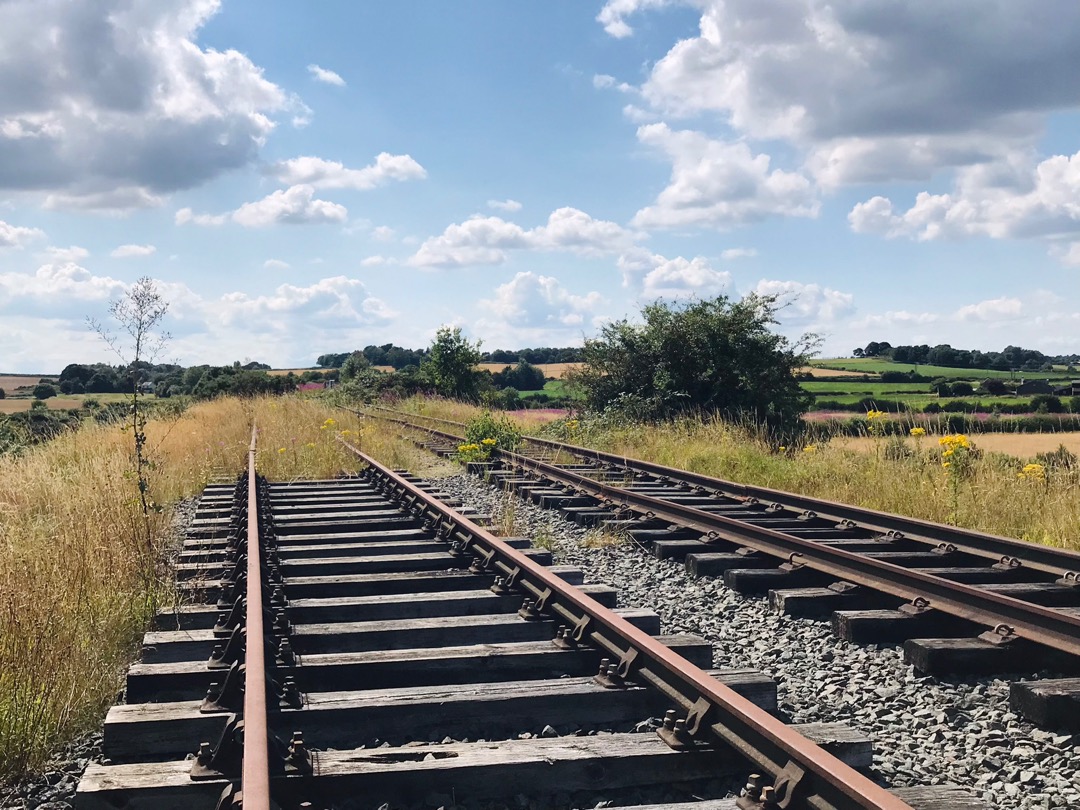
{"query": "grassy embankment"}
{"type": "Point", "coordinates": [78, 585]}
{"type": "Point", "coordinates": [992, 496]}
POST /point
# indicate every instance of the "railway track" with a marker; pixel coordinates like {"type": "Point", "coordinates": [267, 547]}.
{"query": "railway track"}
{"type": "Point", "coordinates": [961, 602]}
{"type": "Point", "coordinates": [359, 643]}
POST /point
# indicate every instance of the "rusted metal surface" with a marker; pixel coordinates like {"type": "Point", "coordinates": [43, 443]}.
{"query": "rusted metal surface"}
{"type": "Point", "coordinates": [1042, 625]}
{"type": "Point", "coordinates": [255, 782]}
{"type": "Point", "coordinates": [713, 713]}
{"type": "Point", "coordinates": [1046, 559]}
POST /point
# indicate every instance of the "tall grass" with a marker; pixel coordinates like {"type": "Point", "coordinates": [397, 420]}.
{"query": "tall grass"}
{"type": "Point", "coordinates": [906, 479]}
{"type": "Point", "coordinates": [78, 583]}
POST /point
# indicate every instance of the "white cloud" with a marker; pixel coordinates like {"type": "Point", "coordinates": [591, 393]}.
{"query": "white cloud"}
{"type": "Point", "coordinates": [59, 255]}
{"type": "Point", "coordinates": [738, 253]}
{"type": "Point", "coordinates": [294, 206]}
{"type": "Point", "coordinates": [325, 76]}
{"type": "Point", "coordinates": [530, 301]}
{"type": "Point", "coordinates": [383, 233]}
{"type": "Point", "coordinates": [614, 13]}
{"type": "Point", "coordinates": [337, 301]}
{"type": "Point", "coordinates": [321, 173]}
{"type": "Point", "coordinates": [504, 205]}
{"type": "Point", "coordinates": [679, 278]}
{"type": "Point", "coordinates": [871, 91]}
{"type": "Point", "coordinates": [720, 184]}
{"type": "Point", "coordinates": [994, 309]}
{"type": "Point", "coordinates": [276, 264]}
{"type": "Point", "coordinates": [18, 236]}
{"type": "Point", "coordinates": [56, 289]}
{"type": "Point", "coordinates": [132, 251]}
{"type": "Point", "coordinates": [1040, 201]}
{"type": "Point", "coordinates": [374, 261]}
{"type": "Point", "coordinates": [807, 303]}
{"type": "Point", "coordinates": [486, 240]}
{"type": "Point", "coordinates": [113, 104]}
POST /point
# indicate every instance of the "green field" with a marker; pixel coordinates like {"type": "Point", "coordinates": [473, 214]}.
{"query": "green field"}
{"type": "Point", "coordinates": [872, 365]}
{"type": "Point", "coordinates": [553, 388]}
{"type": "Point", "coordinates": [877, 389]}
{"type": "Point", "coordinates": [920, 401]}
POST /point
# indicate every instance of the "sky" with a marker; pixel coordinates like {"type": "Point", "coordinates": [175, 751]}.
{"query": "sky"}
{"type": "Point", "coordinates": [310, 177]}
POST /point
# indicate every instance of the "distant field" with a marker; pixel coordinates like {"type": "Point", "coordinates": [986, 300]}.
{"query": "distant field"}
{"type": "Point", "coordinates": [920, 401]}
{"type": "Point", "coordinates": [54, 403]}
{"type": "Point", "coordinates": [281, 372]}
{"type": "Point", "coordinates": [9, 382]}
{"type": "Point", "coordinates": [556, 370]}
{"type": "Point", "coordinates": [1021, 445]}
{"type": "Point", "coordinates": [869, 388]}
{"type": "Point", "coordinates": [814, 371]}
{"type": "Point", "coordinates": [875, 366]}
{"type": "Point", "coordinates": [553, 388]}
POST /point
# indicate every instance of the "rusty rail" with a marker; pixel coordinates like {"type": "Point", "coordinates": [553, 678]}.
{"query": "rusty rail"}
{"type": "Point", "coordinates": [803, 772]}
{"type": "Point", "coordinates": [255, 776]}
{"type": "Point", "coordinates": [1046, 559]}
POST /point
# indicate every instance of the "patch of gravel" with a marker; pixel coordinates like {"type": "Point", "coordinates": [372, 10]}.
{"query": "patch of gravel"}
{"type": "Point", "coordinates": [54, 788]}
{"type": "Point", "coordinates": [925, 731]}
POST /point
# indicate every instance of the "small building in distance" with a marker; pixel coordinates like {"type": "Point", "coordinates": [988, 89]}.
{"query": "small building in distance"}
{"type": "Point", "coordinates": [1031, 387]}
{"type": "Point", "coordinates": [1070, 390]}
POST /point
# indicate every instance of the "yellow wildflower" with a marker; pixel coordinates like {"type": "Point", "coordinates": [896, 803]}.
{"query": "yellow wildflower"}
{"type": "Point", "coordinates": [311, 444]}
{"type": "Point", "coordinates": [782, 448]}
{"type": "Point", "coordinates": [1033, 472]}
{"type": "Point", "coordinates": [874, 416]}
{"type": "Point", "coordinates": [810, 448]}
{"type": "Point", "coordinates": [489, 442]}
{"type": "Point", "coordinates": [281, 449]}
{"type": "Point", "coordinates": [917, 431]}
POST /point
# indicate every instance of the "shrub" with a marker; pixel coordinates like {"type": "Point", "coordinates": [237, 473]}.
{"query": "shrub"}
{"type": "Point", "coordinates": [44, 391]}
{"type": "Point", "coordinates": [962, 389]}
{"type": "Point", "coordinates": [488, 426]}
{"type": "Point", "coordinates": [1047, 403]}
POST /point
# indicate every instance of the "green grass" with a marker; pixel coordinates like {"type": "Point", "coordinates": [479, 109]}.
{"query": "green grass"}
{"type": "Point", "coordinates": [553, 388]}
{"type": "Point", "coordinates": [865, 388]}
{"type": "Point", "coordinates": [873, 365]}
{"type": "Point", "coordinates": [920, 401]}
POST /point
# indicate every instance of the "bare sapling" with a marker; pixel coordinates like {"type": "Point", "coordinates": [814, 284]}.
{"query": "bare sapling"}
{"type": "Point", "coordinates": [139, 312]}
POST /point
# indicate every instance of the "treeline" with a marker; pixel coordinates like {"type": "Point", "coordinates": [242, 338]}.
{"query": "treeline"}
{"type": "Point", "coordinates": [167, 380]}
{"type": "Point", "coordinates": [399, 358]}
{"type": "Point", "coordinates": [1012, 358]}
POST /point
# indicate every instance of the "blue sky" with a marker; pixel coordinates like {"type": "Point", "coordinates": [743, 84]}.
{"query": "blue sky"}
{"type": "Point", "coordinates": [312, 177]}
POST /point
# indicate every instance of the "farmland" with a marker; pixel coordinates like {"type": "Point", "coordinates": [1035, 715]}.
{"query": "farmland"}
{"type": "Point", "coordinates": [873, 365]}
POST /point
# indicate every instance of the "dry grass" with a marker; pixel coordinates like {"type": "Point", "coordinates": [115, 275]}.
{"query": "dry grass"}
{"type": "Point", "coordinates": [1020, 445]}
{"type": "Point", "coordinates": [815, 371]}
{"type": "Point", "coordinates": [10, 382]}
{"type": "Point", "coordinates": [54, 403]}
{"type": "Point", "coordinates": [282, 372]}
{"type": "Point", "coordinates": [78, 581]}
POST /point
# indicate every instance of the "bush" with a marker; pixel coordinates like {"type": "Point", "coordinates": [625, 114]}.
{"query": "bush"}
{"type": "Point", "coordinates": [932, 407]}
{"type": "Point", "coordinates": [1062, 458]}
{"type": "Point", "coordinates": [962, 389]}
{"type": "Point", "coordinates": [44, 391]}
{"type": "Point", "coordinates": [717, 356]}
{"type": "Point", "coordinates": [488, 426]}
{"type": "Point", "coordinates": [1046, 403]}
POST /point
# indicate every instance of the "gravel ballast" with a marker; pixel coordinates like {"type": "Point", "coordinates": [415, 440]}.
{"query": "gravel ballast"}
{"type": "Point", "coordinates": [925, 731]}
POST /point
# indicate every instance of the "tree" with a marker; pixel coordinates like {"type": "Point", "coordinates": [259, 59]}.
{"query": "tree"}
{"type": "Point", "coordinates": [449, 364]}
{"type": "Point", "coordinates": [354, 364]}
{"type": "Point", "coordinates": [715, 355]}
{"type": "Point", "coordinates": [44, 391]}
{"type": "Point", "coordinates": [139, 313]}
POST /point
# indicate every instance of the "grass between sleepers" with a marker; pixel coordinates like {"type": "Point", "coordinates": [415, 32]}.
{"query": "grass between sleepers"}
{"type": "Point", "coordinates": [78, 585]}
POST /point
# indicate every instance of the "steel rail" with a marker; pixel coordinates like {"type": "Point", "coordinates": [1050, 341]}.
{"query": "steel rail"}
{"type": "Point", "coordinates": [255, 774]}
{"type": "Point", "coordinates": [1045, 559]}
{"type": "Point", "coordinates": [1042, 625]}
{"type": "Point", "coordinates": [812, 777]}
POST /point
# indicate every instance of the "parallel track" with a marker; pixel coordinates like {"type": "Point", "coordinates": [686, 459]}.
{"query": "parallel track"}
{"type": "Point", "coordinates": [1023, 597]}
{"type": "Point", "coordinates": [376, 587]}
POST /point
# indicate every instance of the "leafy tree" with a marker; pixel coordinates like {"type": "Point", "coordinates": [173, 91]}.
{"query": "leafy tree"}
{"type": "Point", "coordinates": [353, 365]}
{"type": "Point", "coordinates": [524, 377]}
{"type": "Point", "coordinates": [995, 386]}
{"type": "Point", "coordinates": [44, 391]}
{"type": "Point", "coordinates": [716, 355]}
{"type": "Point", "coordinates": [450, 363]}
{"type": "Point", "coordinates": [962, 389]}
